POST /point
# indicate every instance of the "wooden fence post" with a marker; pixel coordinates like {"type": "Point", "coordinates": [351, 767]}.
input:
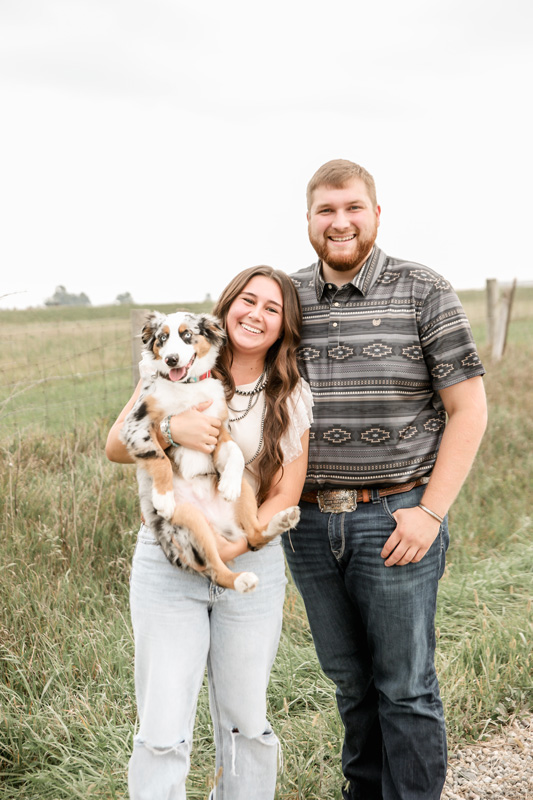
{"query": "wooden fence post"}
{"type": "Point", "coordinates": [492, 310]}
{"type": "Point", "coordinates": [137, 320]}
{"type": "Point", "coordinates": [503, 323]}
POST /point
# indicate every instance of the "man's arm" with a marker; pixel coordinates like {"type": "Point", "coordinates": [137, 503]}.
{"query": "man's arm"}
{"type": "Point", "coordinates": [466, 406]}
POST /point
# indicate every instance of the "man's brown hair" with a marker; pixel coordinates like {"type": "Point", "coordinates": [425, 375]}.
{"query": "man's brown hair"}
{"type": "Point", "coordinates": [336, 174]}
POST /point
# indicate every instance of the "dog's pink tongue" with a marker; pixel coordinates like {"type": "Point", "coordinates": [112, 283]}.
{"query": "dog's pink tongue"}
{"type": "Point", "coordinates": [177, 374]}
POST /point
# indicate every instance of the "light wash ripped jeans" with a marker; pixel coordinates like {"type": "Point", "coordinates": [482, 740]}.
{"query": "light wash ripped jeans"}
{"type": "Point", "coordinates": [181, 622]}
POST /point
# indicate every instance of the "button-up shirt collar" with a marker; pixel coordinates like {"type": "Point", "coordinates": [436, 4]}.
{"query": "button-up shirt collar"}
{"type": "Point", "coordinates": [362, 282]}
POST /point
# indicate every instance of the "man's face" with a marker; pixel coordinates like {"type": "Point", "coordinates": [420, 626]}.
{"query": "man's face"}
{"type": "Point", "coordinates": [343, 225]}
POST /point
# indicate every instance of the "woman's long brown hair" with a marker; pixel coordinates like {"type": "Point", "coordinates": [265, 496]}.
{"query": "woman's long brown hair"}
{"type": "Point", "coordinates": [280, 360]}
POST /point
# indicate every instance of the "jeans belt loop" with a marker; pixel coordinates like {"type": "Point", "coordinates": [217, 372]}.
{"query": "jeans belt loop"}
{"type": "Point", "coordinates": [375, 496]}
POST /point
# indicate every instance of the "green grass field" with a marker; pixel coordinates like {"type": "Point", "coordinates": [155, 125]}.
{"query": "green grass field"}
{"type": "Point", "coordinates": [68, 522]}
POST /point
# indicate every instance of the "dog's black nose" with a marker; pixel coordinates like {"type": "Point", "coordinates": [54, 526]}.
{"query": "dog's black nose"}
{"type": "Point", "coordinates": [172, 361]}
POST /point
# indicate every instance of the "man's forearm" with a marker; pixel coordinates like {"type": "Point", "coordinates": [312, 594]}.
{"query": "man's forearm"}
{"type": "Point", "coordinates": [459, 445]}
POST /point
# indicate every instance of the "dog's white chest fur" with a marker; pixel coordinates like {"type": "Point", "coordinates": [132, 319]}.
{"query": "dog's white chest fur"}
{"type": "Point", "coordinates": [175, 398]}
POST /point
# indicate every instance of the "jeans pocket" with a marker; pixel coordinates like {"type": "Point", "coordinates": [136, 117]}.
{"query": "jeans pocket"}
{"type": "Point", "coordinates": [387, 510]}
{"type": "Point", "coordinates": [394, 502]}
{"type": "Point", "coordinates": [145, 536]}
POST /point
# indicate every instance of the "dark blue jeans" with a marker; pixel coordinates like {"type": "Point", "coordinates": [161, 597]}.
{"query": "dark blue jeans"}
{"type": "Point", "coordinates": [374, 632]}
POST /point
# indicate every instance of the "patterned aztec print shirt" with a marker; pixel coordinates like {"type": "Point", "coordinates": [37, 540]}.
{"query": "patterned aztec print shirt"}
{"type": "Point", "coordinates": [375, 352]}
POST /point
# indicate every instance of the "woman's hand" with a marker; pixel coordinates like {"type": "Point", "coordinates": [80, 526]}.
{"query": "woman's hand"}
{"type": "Point", "coordinates": [229, 550]}
{"type": "Point", "coordinates": [194, 429]}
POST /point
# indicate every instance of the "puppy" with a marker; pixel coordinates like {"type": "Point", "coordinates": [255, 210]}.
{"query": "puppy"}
{"type": "Point", "coordinates": [186, 495]}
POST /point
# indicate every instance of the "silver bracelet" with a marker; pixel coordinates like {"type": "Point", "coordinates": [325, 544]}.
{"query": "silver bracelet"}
{"type": "Point", "coordinates": [164, 427]}
{"type": "Point", "coordinates": [431, 513]}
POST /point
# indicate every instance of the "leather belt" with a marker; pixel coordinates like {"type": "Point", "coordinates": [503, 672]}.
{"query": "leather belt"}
{"type": "Point", "coordinates": [337, 501]}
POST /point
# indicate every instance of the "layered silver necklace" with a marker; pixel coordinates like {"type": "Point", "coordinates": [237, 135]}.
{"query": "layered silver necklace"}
{"type": "Point", "coordinates": [253, 398]}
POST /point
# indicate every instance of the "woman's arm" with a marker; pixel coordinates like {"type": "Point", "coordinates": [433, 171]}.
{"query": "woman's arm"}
{"type": "Point", "coordinates": [285, 493]}
{"type": "Point", "coordinates": [115, 450]}
{"type": "Point", "coordinates": [192, 429]}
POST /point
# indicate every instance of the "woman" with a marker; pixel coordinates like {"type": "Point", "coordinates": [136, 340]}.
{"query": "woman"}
{"type": "Point", "coordinates": [181, 621]}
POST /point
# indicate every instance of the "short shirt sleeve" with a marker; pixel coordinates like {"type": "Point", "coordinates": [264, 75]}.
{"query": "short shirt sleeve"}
{"type": "Point", "coordinates": [446, 337]}
{"type": "Point", "coordinates": [300, 405]}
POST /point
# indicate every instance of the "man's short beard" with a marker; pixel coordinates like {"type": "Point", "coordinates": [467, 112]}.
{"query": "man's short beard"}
{"type": "Point", "coordinates": [350, 261]}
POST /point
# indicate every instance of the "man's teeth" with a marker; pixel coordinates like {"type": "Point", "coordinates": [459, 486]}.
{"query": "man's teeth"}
{"type": "Point", "coordinates": [342, 238]}
{"type": "Point", "coordinates": [249, 328]}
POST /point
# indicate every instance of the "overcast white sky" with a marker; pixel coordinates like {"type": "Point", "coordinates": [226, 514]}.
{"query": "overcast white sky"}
{"type": "Point", "coordinates": [160, 146]}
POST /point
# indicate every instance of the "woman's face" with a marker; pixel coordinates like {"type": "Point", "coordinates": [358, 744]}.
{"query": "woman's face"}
{"type": "Point", "coordinates": [255, 318]}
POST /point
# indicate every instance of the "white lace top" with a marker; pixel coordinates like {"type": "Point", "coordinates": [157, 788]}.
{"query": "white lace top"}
{"type": "Point", "coordinates": [247, 432]}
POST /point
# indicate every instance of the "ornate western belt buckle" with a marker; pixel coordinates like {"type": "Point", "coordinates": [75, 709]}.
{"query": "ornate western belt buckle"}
{"type": "Point", "coordinates": [337, 501]}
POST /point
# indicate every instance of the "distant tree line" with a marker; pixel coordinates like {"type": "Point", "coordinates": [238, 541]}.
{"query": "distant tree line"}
{"type": "Point", "coordinates": [63, 298]}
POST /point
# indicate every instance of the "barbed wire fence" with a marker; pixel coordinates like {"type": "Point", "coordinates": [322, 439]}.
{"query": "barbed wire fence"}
{"type": "Point", "coordinates": [58, 375]}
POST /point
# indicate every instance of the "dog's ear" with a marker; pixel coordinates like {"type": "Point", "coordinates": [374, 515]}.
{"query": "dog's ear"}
{"type": "Point", "coordinates": [211, 328]}
{"type": "Point", "coordinates": [150, 327]}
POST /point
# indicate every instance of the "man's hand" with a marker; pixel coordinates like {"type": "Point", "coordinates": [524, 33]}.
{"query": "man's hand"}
{"type": "Point", "coordinates": [414, 534]}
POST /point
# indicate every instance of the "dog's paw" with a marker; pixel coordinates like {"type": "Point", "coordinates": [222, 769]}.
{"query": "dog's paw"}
{"type": "Point", "coordinates": [246, 582]}
{"type": "Point", "coordinates": [282, 521]}
{"type": "Point", "coordinates": [229, 487]}
{"type": "Point", "coordinates": [164, 504]}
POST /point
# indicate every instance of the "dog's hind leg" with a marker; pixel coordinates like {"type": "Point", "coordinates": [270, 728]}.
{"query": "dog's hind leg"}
{"type": "Point", "coordinates": [257, 534]}
{"type": "Point", "coordinates": [205, 551]}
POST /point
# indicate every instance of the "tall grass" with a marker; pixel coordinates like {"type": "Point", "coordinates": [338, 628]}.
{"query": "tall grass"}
{"type": "Point", "coordinates": [68, 523]}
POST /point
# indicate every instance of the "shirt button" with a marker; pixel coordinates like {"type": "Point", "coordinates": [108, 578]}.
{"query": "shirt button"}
{"type": "Point", "coordinates": [334, 324]}
{"type": "Point", "coordinates": [330, 286]}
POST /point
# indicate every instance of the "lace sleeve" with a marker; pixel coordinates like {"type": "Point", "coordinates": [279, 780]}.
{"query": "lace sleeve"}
{"type": "Point", "coordinates": [300, 406]}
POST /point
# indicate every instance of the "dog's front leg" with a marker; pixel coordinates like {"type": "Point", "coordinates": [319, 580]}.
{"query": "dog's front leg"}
{"type": "Point", "coordinates": [229, 462]}
{"type": "Point", "coordinates": [160, 470]}
{"type": "Point", "coordinates": [139, 436]}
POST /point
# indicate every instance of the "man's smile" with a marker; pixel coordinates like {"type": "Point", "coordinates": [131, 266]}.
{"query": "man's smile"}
{"type": "Point", "coordinates": [342, 238]}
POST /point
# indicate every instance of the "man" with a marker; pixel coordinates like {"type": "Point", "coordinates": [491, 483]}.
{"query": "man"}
{"type": "Point", "coordinates": [389, 355]}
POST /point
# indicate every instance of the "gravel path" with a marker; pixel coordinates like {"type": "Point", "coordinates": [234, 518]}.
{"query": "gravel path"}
{"type": "Point", "coordinates": [499, 769]}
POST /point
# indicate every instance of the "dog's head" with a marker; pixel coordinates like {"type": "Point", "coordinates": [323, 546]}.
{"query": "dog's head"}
{"type": "Point", "coordinates": [181, 346]}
